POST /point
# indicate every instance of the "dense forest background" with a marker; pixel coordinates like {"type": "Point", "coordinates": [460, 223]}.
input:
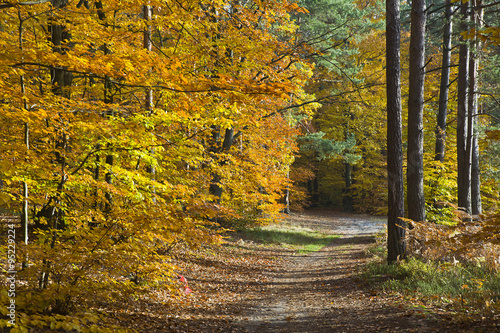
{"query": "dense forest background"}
{"type": "Point", "coordinates": [129, 127]}
{"type": "Point", "coordinates": [353, 108]}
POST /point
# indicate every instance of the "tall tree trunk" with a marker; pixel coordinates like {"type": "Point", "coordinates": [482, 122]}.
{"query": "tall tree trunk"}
{"type": "Point", "coordinates": [476, 207]}
{"type": "Point", "coordinates": [25, 209]}
{"type": "Point", "coordinates": [147, 12]}
{"type": "Point", "coordinates": [96, 171]}
{"type": "Point", "coordinates": [395, 235]}
{"type": "Point", "coordinates": [108, 98]}
{"type": "Point", "coordinates": [109, 179]}
{"type": "Point", "coordinates": [346, 195]}
{"type": "Point", "coordinates": [59, 36]}
{"type": "Point", "coordinates": [415, 173]}
{"type": "Point", "coordinates": [463, 154]}
{"type": "Point", "coordinates": [475, 192]}
{"type": "Point", "coordinates": [444, 86]}
{"type": "Point", "coordinates": [61, 81]}
{"type": "Point", "coordinates": [215, 186]}
{"type": "Point", "coordinates": [286, 196]}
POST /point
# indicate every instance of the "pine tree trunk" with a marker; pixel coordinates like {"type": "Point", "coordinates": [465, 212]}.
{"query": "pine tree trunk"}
{"type": "Point", "coordinates": [395, 235]}
{"type": "Point", "coordinates": [476, 207]}
{"type": "Point", "coordinates": [444, 86]}
{"type": "Point", "coordinates": [463, 154]}
{"type": "Point", "coordinates": [476, 204]}
{"type": "Point", "coordinates": [415, 171]}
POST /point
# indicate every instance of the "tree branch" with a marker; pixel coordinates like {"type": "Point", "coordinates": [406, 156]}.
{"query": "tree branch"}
{"type": "Point", "coordinates": [25, 3]}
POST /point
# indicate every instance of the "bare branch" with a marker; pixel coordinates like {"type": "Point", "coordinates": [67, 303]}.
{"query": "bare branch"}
{"type": "Point", "coordinates": [24, 3]}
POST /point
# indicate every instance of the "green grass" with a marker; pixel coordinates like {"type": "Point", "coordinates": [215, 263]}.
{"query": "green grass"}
{"type": "Point", "coordinates": [300, 239]}
{"type": "Point", "coordinates": [463, 286]}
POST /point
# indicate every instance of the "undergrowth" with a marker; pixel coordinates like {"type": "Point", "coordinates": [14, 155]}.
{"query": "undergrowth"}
{"type": "Point", "coordinates": [460, 287]}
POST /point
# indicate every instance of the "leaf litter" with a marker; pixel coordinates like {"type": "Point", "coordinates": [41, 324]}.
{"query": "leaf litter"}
{"type": "Point", "coordinates": [245, 286]}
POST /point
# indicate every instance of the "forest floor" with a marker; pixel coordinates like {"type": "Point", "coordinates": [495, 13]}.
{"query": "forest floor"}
{"type": "Point", "coordinates": [248, 286]}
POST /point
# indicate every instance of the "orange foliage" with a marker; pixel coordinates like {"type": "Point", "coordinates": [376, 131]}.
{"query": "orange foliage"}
{"type": "Point", "coordinates": [469, 241]}
{"type": "Point", "coordinates": [115, 183]}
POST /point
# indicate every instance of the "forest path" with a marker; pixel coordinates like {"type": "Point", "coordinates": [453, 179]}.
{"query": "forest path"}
{"type": "Point", "coordinates": [250, 286]}
{"type": "Point", "coordinates": [319, 292]}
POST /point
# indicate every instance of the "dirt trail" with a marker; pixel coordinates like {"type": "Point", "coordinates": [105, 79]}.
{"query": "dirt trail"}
{"type": "Point", "coordinates": [318, 292]}
{"type": "Point", "coordinates": [246, 287]}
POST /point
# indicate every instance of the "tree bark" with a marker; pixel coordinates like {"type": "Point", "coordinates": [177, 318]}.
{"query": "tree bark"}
{"type": "Point", "coordinates": [147, 14]}
{"type": "Point", "coordinates": [25, 208]}
{"type": "Point", "coordinates": [476, 207]}
{"type": "Point", "coordinates": [61, 81]}
{"type": "Point", "coordinates": [24, 214]}
{"type": "Point", "coordinates": [108, 98]}
{"type": "Point", "coordinates": [286, 196]}
{"type": "Point", "coordinates": [346, 195]}
{"type": "Point", "coordinates": [415, 160]}
{"type": "Point", "coordinates": [463, 154]}
{"type": "Point", "coordinates": [444, 86]}
{"type": "Point", "coordinates": [215, 186]}
{"type": "Point", "coordinates": [59, 36]}
{"type": "Point", "coordinates": [109, 180]}
{"type": "Point", "coordinates": [395, 235]}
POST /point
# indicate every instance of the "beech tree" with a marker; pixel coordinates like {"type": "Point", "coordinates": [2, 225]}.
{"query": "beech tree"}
{"type": "Point", "coordinates": [118, 175]}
